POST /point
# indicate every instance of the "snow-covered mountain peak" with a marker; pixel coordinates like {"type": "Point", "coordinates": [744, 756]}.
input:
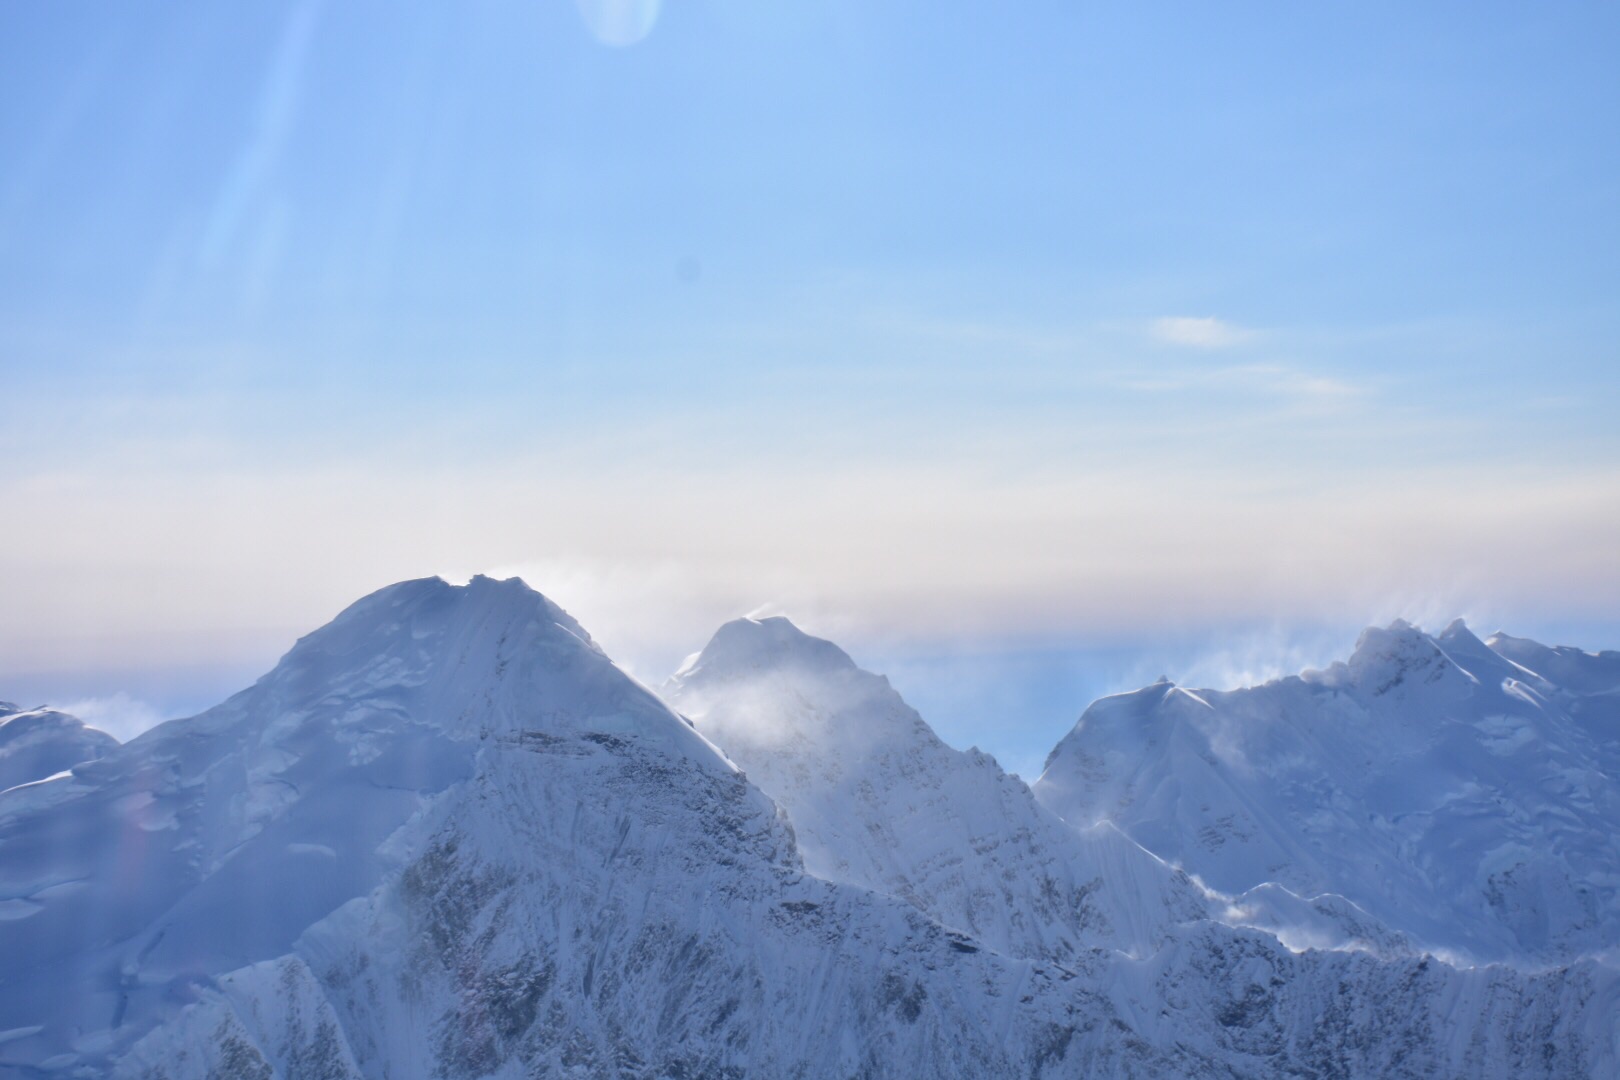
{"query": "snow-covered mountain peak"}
{"type": "Point", "coordinates": [1583, 672]}
{"type": "Point", "coordinates": [446, 836]}
{"type": "Point", "coordinates": [1424, 775]}
{"type": "Point", "coordinates": [766, 683]}
{"type": "Point", "coordinates": [878, 800]}
{"type": "Point", "coordinates": [1456, 630]}
{"type": "Point", "coordinates": [486, 659]}
{"type": "Point", "coordinates": [1134, 717]}
{"type": "Point", "coordinates": [414, 618]}
{"type": "Point", "coordinates": [307, 776]}
{"type": "Point", "coordinates": [1463, 645]}
{"type": "Point", "coordinates": [744, 647]}
{"type": "Point", "coordinates": [37, 743]}
{"type": "Point", "coordinates": [1403, 661]}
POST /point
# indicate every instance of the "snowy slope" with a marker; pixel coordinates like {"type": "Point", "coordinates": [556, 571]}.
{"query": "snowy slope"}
{"type": "Point", "coordinates": [36, 743]}
{"type": "Point", "coordinates": [1455, 794]}
{"type": "Point", "coordinates": [876, 799]}
{"type": "Point", "coordinates": [447, 837]}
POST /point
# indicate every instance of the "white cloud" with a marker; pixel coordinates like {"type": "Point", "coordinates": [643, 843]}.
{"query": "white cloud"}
{"type": "Point", "coordinates": [1199, 333]}
{"type": "Point", "coordinates": [619, 22]}
{"type": "Point", "coordinates": [1290, 382]}
{"type": "Point", "coordinates": [652, 562]}
{"type": "Point", "coordinates": [1273, 382]}
{"type": "Point", "coordinates": [1251, 657]}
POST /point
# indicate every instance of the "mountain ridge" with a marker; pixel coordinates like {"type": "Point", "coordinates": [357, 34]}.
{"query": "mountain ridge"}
{"type": "Point", "coordinates": [445, 835]}
{"type": "Point", "coordinates": [1417, 733]}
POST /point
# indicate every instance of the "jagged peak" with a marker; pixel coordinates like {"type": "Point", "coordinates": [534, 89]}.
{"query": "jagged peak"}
{"type": "Point", "coordinates": [764, 681]}
{"type": "Point", "coordinates": [1397, 630]}
{"type": "Point", "coordinates": [1457, 630]}
{"type": "Point", "coordinates": [1377, 643]}
{"type": "Point", "coordinates": [1477, 657]}
{"type": "Point", "coordinates": [1401, 657]}
{"type": "Point", "coordinates": [1126, 710]}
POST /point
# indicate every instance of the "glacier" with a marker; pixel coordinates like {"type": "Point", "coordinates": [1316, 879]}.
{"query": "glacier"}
{"type": "Point", "coordinates": [447, 836]}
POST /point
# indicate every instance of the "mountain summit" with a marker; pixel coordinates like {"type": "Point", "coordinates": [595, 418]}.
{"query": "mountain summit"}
{"type": "Point", "coordinates": [37, 743]}
{"type": "Point", "coordinates": [878, 800]}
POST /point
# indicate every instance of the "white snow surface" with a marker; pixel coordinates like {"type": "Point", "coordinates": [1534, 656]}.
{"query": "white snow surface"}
{"type": "Point", "coordinates": [447, 837]}
{"type": "Point", "coordinates": [37, 743]}
{"type": "Point", "coordinates": [877, 799]}
{"type": "Point", "coordinates": [1464, 795]}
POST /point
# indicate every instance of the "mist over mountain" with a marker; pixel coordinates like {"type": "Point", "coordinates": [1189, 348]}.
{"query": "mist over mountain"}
{"type": "Point", "coordinates": [447, 836]}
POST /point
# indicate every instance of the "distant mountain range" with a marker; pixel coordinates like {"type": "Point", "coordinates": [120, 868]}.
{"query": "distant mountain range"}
{"type": "Point", "coordinates": [447, 837]}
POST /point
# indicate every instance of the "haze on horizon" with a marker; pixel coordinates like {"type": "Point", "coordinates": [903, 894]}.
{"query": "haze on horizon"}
{"type": "Point", "coordinates": [984, 340]}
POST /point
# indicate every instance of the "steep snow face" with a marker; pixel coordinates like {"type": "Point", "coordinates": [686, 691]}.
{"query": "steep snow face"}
{"type": "Point", "coordinates": [445, 836]}
{"type": "Point", "coordinates": [877, 800]}
{"type": "Point", "coordinates": [37, 743]}
{"type": "Point", "coordinates": [1461, 797]}
{"type": "Point", "coordinates": [1578, 673]}
{"type": "Point", "coordinates": [1585, 685]}
{"type": "Point", "coordinates": [213, 842]}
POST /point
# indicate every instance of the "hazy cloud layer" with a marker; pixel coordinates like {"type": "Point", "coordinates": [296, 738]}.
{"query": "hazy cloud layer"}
{"type": "Point", "coordinates": [652, 560]}
{"type": "Point", "coordinates": [1199, 332]}
{"type": "Point", "coordinates": [119, 715]}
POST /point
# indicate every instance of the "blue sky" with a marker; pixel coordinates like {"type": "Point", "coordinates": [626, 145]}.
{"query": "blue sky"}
{"type": "Point", "coordinates": [1054, 339]}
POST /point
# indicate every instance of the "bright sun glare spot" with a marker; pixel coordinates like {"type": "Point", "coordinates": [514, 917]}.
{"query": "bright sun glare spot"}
{"type": "Point", "coordinates": [619, 22]}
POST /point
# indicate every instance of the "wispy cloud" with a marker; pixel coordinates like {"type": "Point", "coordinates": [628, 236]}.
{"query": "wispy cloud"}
{"type": "Point", "coordinates": [1195, 332]}
{"type": "Point", "coordinates": [619, 22]}
{"type": "Point", "coordinates": [119, 715]}
{"type": "Point", "coordinates": [1277, 381]}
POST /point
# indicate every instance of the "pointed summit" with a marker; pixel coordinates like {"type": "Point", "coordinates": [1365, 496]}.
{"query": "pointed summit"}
{"type": "Point", "coordinates": [1463, 645]}
{"type": "Point", "coordinates": [747, 646]}
{"type": "Point", "coordinates": [1480, 660]}
{"type": "Point", "coordinates": [481, 659]}
{"type": "Point", "coordinates": [878, 800]}
{"type": "Point", "coordinates": [297, 788]}
{"type": "Point", "coordinates": [1401, 659]}
{"type": "Point", "coordinates": [765, 682]}
{"type": "Point", "coordinates": [1456, 628]}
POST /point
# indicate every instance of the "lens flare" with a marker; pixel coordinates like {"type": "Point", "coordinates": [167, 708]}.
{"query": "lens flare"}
{"type": "Point", "coordinates": [619, 22]}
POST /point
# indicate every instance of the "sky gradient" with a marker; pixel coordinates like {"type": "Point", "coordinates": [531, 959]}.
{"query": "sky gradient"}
{"type": "Point", "coordinates": [1043, 343]}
